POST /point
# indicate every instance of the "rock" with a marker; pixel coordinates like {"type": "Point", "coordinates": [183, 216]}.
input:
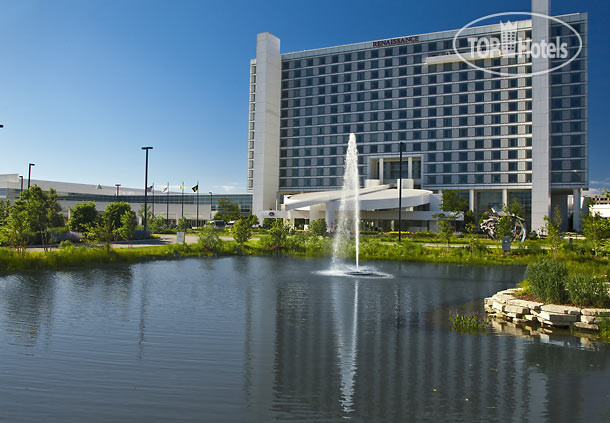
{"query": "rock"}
{"type": "Point", "coordinates": [519, 321]}
{"type": "Point", "coordinates": [596, 312]}
{"type": "Point", "coordinates": [533, 305]}
{"type": "Point", "coordinates": [530, 317]}
{"type": "Point", "coordinates": [516, 309]}
{"type": "Point", "coordinates": [497, 306]}
{"type": "Point", "coordinates": [560, 309]}
{"type": "Point", "coordinates": [590, 319]}
{"type": "Point", "coordinates": [586, 326]}
{"type": "Point", "coordinates": [488, 301]}
{"type": "Point", "coordinates": [513, 315]}
{"type": "Point", "coordinates": [502, 298]}
{"type": "Point", "coordinates": [555, 323]}
{"type": "Point", "coordinates": [557, 317]}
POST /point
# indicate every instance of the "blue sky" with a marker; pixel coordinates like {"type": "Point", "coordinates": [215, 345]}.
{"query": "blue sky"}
{"type": "Point", "coordinates": [86, 83]}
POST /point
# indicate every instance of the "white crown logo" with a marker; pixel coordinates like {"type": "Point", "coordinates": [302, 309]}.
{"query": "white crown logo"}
{"type": "Point", "coordinates": [508, 35]}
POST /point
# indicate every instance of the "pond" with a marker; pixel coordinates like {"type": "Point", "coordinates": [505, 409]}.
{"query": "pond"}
{"type": "Point", "coordinates": [266, 338]}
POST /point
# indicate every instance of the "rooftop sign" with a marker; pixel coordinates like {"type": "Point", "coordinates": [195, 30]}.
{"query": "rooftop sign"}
{"type": "Point", "coordinates": [396, 41]}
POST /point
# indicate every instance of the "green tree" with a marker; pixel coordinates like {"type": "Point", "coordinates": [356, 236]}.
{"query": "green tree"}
{"type": "Point", "coordinates": [242, 231]}
{"type": "Point", "coordinates": [40, 210]}
{"type": "Point", "coordinates": [209, 239]}
{"type": "Point", "coordinates": [253, 220]}
{"type": "Point", "coordinates": [453, 204]}
{"type": "Point", "coordinates": [100, 233]}
{"type": "Point", "coordinates": [268, 222]}
{"type": "Point", "coordinates": [553, 229]}
{"type": "Point", "coordinates": [5, 210]}
{"type": "Point", "coordinates": [183, 224]}
{"type": "Point", "coordinates": [114, 212]}
{"type": "Point", "coordinates": [596, 229]}
{"type": "Point", "coordinates": [81, 216]}
{"type": "Point", "coordinates": [158, 225]}
{"type": "Point", "coordinates": [504, 227]}
{"type": "Point", "coordinates": [277, 236]}
{"type": "Point", "coordinates": [17, 230]}
{"type": "Point", "coordinates": [149, 214]}
{"type": "Point", "coordinates": [515, 208]}
{"type": "Point", "coordinates": [444, 223]}
{"type": "Point", "coordinates": [228, 210]}
{"type": "Point", "coordinates": [128, 226]}
{"type": "Point", "coordinates": [318, 227]}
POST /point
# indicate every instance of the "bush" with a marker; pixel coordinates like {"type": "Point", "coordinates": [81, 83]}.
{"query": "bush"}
{"type": "Point", "coordinates": [467, 322]}
{"type": "Point", "coordinates": [209, 239]}
{"type": "Point", "coordinates": [66, 245]}
{"type": "Point", "coordinates": [318, 227]}
{"type": "Point", "coordinates": [587, 290]}
{"type": "Point", "coordinates": [547, 279]}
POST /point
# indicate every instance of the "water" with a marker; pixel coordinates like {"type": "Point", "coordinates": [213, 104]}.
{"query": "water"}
{"type": "Point", "coordinates": [349, 208]}
{"type": "Point", "coordinates": [263, 339]}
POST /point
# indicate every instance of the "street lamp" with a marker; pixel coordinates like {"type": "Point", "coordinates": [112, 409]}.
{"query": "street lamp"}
{"type": "Point", "coordinates": [30, 173]}
{"type": "Point", "coordinates": [117, 189]}
{"type": "Point", "coordinates": [210, 204]}
{"type": "Point", "coordinates": [400, 195]}
{"type": "Point", "coordinates": [146, 186]}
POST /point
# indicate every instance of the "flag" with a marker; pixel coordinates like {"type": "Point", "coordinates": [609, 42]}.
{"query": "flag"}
{"type": "Point", "coordinates": [195, 188]}
{"type": "Point", "coordinates": [181, 187]}
{"type": "Point", "coordinates": [165, 189]}
{"type": "Point", "coordinates": [150, 188]}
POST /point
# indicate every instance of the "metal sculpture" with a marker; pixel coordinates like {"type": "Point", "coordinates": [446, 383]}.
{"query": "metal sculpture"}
{"type": "Point", "coordinates": [490, 223]}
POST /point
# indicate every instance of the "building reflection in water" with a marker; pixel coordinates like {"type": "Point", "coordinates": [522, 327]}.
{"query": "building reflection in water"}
{"type": "Point", "coordinates": [371, 350]}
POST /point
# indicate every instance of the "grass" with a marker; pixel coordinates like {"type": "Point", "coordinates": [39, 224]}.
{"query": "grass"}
{"type": "Point", "coordinates": [469, 323]}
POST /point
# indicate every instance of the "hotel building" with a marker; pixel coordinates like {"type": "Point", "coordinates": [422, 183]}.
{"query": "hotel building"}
{"type": "Point", "coordinates": [495, 129]}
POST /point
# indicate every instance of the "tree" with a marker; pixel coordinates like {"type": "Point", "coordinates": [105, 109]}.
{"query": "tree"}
{"type": "Point", "coordinates": [128, 226]}
{"type": "Point", "coordinates": [242, 231]}
{"type": "Point", "coordinates": [100, 232]}
{"type": "Point", "coordinates": [81, 216]}
{"type": "Point", "coordinates": [451, 202]}
{"type": "Point", "coordinates": [17, 231]}
{"type": "Point", "coordinates": [209, 239]}
{"type": "Point", "coordinates": [149, 214]}
{"type": "Point", "coordinates": [40, 211]}
{"type": "Point", "coordinates": [318, 227]}
{"type": "Point", "coordinates": [114, 212]}
{"type": "Point", "coordinates": [596, 229]}
{"type": "Point", "coordinates": [553, 229]}
{"type": "Point", "coordinates": [157, 224]}
{"type": "Point", "coordinates": [228, 210]}
{"type": "Point", "coordinates": [183, 224]}
{"type": "Point", "coordinates": [515, 208]}
{"type": "Point", "coordinates": [444, 223]}
{"type": "Point", "coordinates": [5, 209]}
{"type": "Point", "coordinates": [504, 227]}
{"type": "Point", "coordinates": [268, 222]}
{"type": "Point", "coordinates": [277, 236]}
{"type": "Point", "coordinates": [253, 219]}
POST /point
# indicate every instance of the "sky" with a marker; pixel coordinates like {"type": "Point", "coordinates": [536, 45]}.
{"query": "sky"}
{"type": "Point", "coordinates": [84, 84]}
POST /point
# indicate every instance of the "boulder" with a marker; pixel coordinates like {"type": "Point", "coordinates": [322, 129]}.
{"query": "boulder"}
{"type": "Point", "coordinates": [526, 304]}
{"type": "Point", "coordinates": [586, 326]}
{"type": "Point", "coordinates": [590, 319]}
{"type": "Point", "coordinates": [596, 312]}
{"type": "Point", "coordinates": [498, 306]}
{"type": "Point", "coordinates": [516, 309]}
{"type": "Point", "coordinates": [560, 309]}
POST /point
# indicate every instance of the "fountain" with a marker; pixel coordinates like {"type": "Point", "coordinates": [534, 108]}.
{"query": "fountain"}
{"type": "Point", "coordinates": [349, 217]}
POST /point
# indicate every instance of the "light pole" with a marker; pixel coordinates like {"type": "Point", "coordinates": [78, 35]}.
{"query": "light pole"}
{"type": "Point", "coordinates": [21, 183]}
{"type": "Point", "coordinates": [210, 204]}
{"type": "Point", "coordinates": [30, 173]}
{"type": "Point", "coordinates": [117, 189]}
{"type": "Point", "coordinates": [400, 196]}
{"type": "Point", "coordinates": [146, 186]}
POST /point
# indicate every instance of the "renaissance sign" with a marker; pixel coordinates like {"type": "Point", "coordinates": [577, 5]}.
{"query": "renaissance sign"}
{"type": "Point", "coordinates": [396, 41]}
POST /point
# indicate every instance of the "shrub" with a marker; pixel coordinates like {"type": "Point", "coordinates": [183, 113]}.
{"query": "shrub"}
{"type": "Point", "coordinates": [318, 227]}
{"type": "Point", "coordinates": [547, 280]}
{"type": "Point", "coordinates": [209, 239]}
{"type": "Point", "coordinates": [66, 245]}
{"type": "Point", "coordinates": [587, 290]}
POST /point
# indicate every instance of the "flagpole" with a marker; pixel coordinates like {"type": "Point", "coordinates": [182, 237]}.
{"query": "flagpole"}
{"type": "Point", "coordinates": [167, 206]}
{"type": "Point", "coordinates": [197, 203]}
{"type": "Point", "coordinates": [182, 199]}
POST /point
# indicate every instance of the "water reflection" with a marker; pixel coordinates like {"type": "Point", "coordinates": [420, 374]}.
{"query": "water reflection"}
{"type": "Point", "coordinates": [261, 339]}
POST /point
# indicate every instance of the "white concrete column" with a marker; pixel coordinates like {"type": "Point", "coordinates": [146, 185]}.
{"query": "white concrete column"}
{"type": "Point", "coordinates": [471, 200]}
{"type": "Point", "coordinates": [505, 197]}
{"type": "Point", "coordinates": [576, 210]}
{"type": "Point", "coordinates": [381, 170]}
{"type": "Point", "coordinates": [541, 187]}
{"type": "Point", "coordinates": [410, 170]}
